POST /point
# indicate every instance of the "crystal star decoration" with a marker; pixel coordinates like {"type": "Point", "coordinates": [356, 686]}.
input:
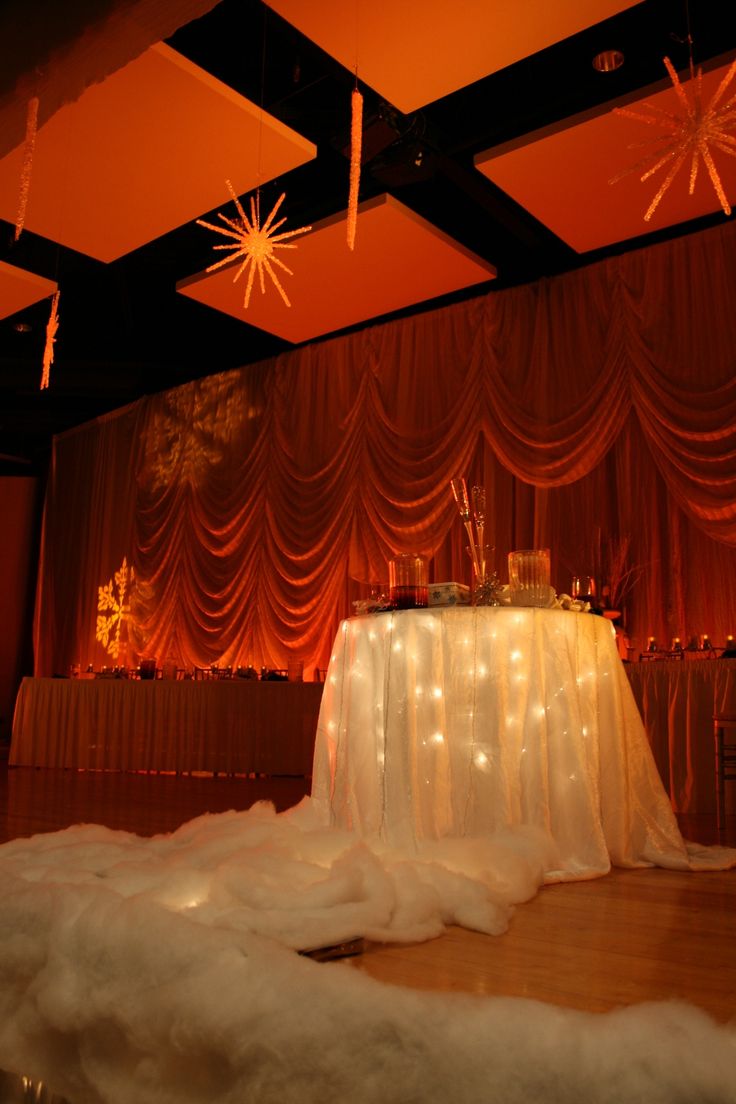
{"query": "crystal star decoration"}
{"type": "Point", "coordinates": [692, 134]}
{"type": "Point", "coordinates": [254, 242]}
{"type": "Point", "coordinates": [48, 353]}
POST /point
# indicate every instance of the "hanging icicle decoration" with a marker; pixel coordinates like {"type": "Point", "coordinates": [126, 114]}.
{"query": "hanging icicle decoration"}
{"type": "Point", "coordinates": [356, 143]}
{"type": "Point", "coordinates": [51, 327]}
{"type": "Point", "coordinates": [25, 172]}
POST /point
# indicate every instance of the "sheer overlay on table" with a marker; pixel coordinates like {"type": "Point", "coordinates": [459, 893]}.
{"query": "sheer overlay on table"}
{"type": "Point", "coordinates": [457, 723]}
{"type": "Point", "coordinates": [463, 758]}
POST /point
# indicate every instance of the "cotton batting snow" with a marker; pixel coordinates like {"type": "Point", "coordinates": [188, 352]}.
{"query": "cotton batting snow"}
{"type": "Point", "coordinates": [162, 971]}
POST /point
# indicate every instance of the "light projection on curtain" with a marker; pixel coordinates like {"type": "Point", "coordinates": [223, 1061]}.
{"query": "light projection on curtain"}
{"type": "Point", "coordinates": [193, 430]}
{"type": "Point", "coordinates": [113, 604]}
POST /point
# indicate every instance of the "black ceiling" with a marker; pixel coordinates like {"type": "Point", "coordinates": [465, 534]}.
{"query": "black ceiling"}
{"type": "Point", "coordinates": [124, 329]}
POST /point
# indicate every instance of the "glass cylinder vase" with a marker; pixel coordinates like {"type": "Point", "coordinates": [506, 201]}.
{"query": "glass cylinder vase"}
{"type": "Point", "coordinates": [408, 581]}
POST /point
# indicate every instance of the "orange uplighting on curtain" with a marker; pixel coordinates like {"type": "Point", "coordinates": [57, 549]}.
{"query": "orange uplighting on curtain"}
{"type": "Point", "coordinates": [48, 353]}
{"type": "Point", "coordinates": [29, 146]}
{"type": "Point", "coordinates": [356, 147]}
{"type": "Point", "coordinates": [258, 504]}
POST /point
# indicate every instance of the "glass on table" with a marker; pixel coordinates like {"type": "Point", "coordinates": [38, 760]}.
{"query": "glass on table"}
{"type": "Point", "coordinates": [584, 588]}
{"type": "Point", "coordinates": [378, 594]}
{"type": "Point", "coordinates": [169, 669]}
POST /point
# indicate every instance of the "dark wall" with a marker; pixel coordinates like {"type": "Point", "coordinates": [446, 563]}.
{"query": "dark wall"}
{"type": "Point", "coordinates": [19, 497]}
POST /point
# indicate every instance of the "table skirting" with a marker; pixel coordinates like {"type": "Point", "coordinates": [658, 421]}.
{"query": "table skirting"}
{"type": "Point", "coordinates": [228, 726]}
{"type": "Point", "coordinates": [677, 700]}
{"type": "Point", "coordinates": [519, 726]}
{"type": "Point", "coordinates": [464, 723]}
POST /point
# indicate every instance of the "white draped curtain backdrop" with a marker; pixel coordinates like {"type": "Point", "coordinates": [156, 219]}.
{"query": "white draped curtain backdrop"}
{"type": "Point", "coordinates": [598, 407]}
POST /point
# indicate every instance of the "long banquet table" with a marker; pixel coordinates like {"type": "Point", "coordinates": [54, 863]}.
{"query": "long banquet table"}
{"type": "Point", "coordinates": [228, 726]}
{"type": "Point", "coordinates": [466, 722]}
{"type": "Point", "coordinates": [677, 700]}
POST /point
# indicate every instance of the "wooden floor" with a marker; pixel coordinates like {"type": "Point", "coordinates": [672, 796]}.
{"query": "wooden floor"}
{"type": "Point", "coordinates": [635, 935]}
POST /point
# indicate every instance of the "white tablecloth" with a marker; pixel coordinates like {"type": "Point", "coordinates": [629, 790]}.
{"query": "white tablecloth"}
{"type": "Point", "coordinates": [229, 726]}
{"type": "Point", "coordinates": [464, 722]}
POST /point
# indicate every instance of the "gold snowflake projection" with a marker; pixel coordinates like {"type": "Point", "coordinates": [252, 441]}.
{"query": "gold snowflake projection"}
{"type": "Point", "coordinates": [692, 135]}
{"type": "Point", "coordinates": [114, 596]}
{"type": "Point", "coordinates": [195, 427]}
{"type": "Point", "coordinates": [254, 242]}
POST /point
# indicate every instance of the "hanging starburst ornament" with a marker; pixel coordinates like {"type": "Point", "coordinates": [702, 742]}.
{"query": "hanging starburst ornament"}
{"type": "Point", "coordinates": [48, 354]}
{"type": "Point", "coordinates": [693, 134]}
{"type": "Point", "coordinates": [254, 242]}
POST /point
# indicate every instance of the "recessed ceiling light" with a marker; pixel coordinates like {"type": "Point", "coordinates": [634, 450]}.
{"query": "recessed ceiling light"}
{"type": "Point", "coordinates": [608, 60]}
{"type": "Point", "coordinates": [22, 327]}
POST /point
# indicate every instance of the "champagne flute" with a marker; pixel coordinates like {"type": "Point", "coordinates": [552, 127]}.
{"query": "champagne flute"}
{"type": "Point", "coordinates": [479, 516]}
{"type": "Point", "coordinates": [460, 494]}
